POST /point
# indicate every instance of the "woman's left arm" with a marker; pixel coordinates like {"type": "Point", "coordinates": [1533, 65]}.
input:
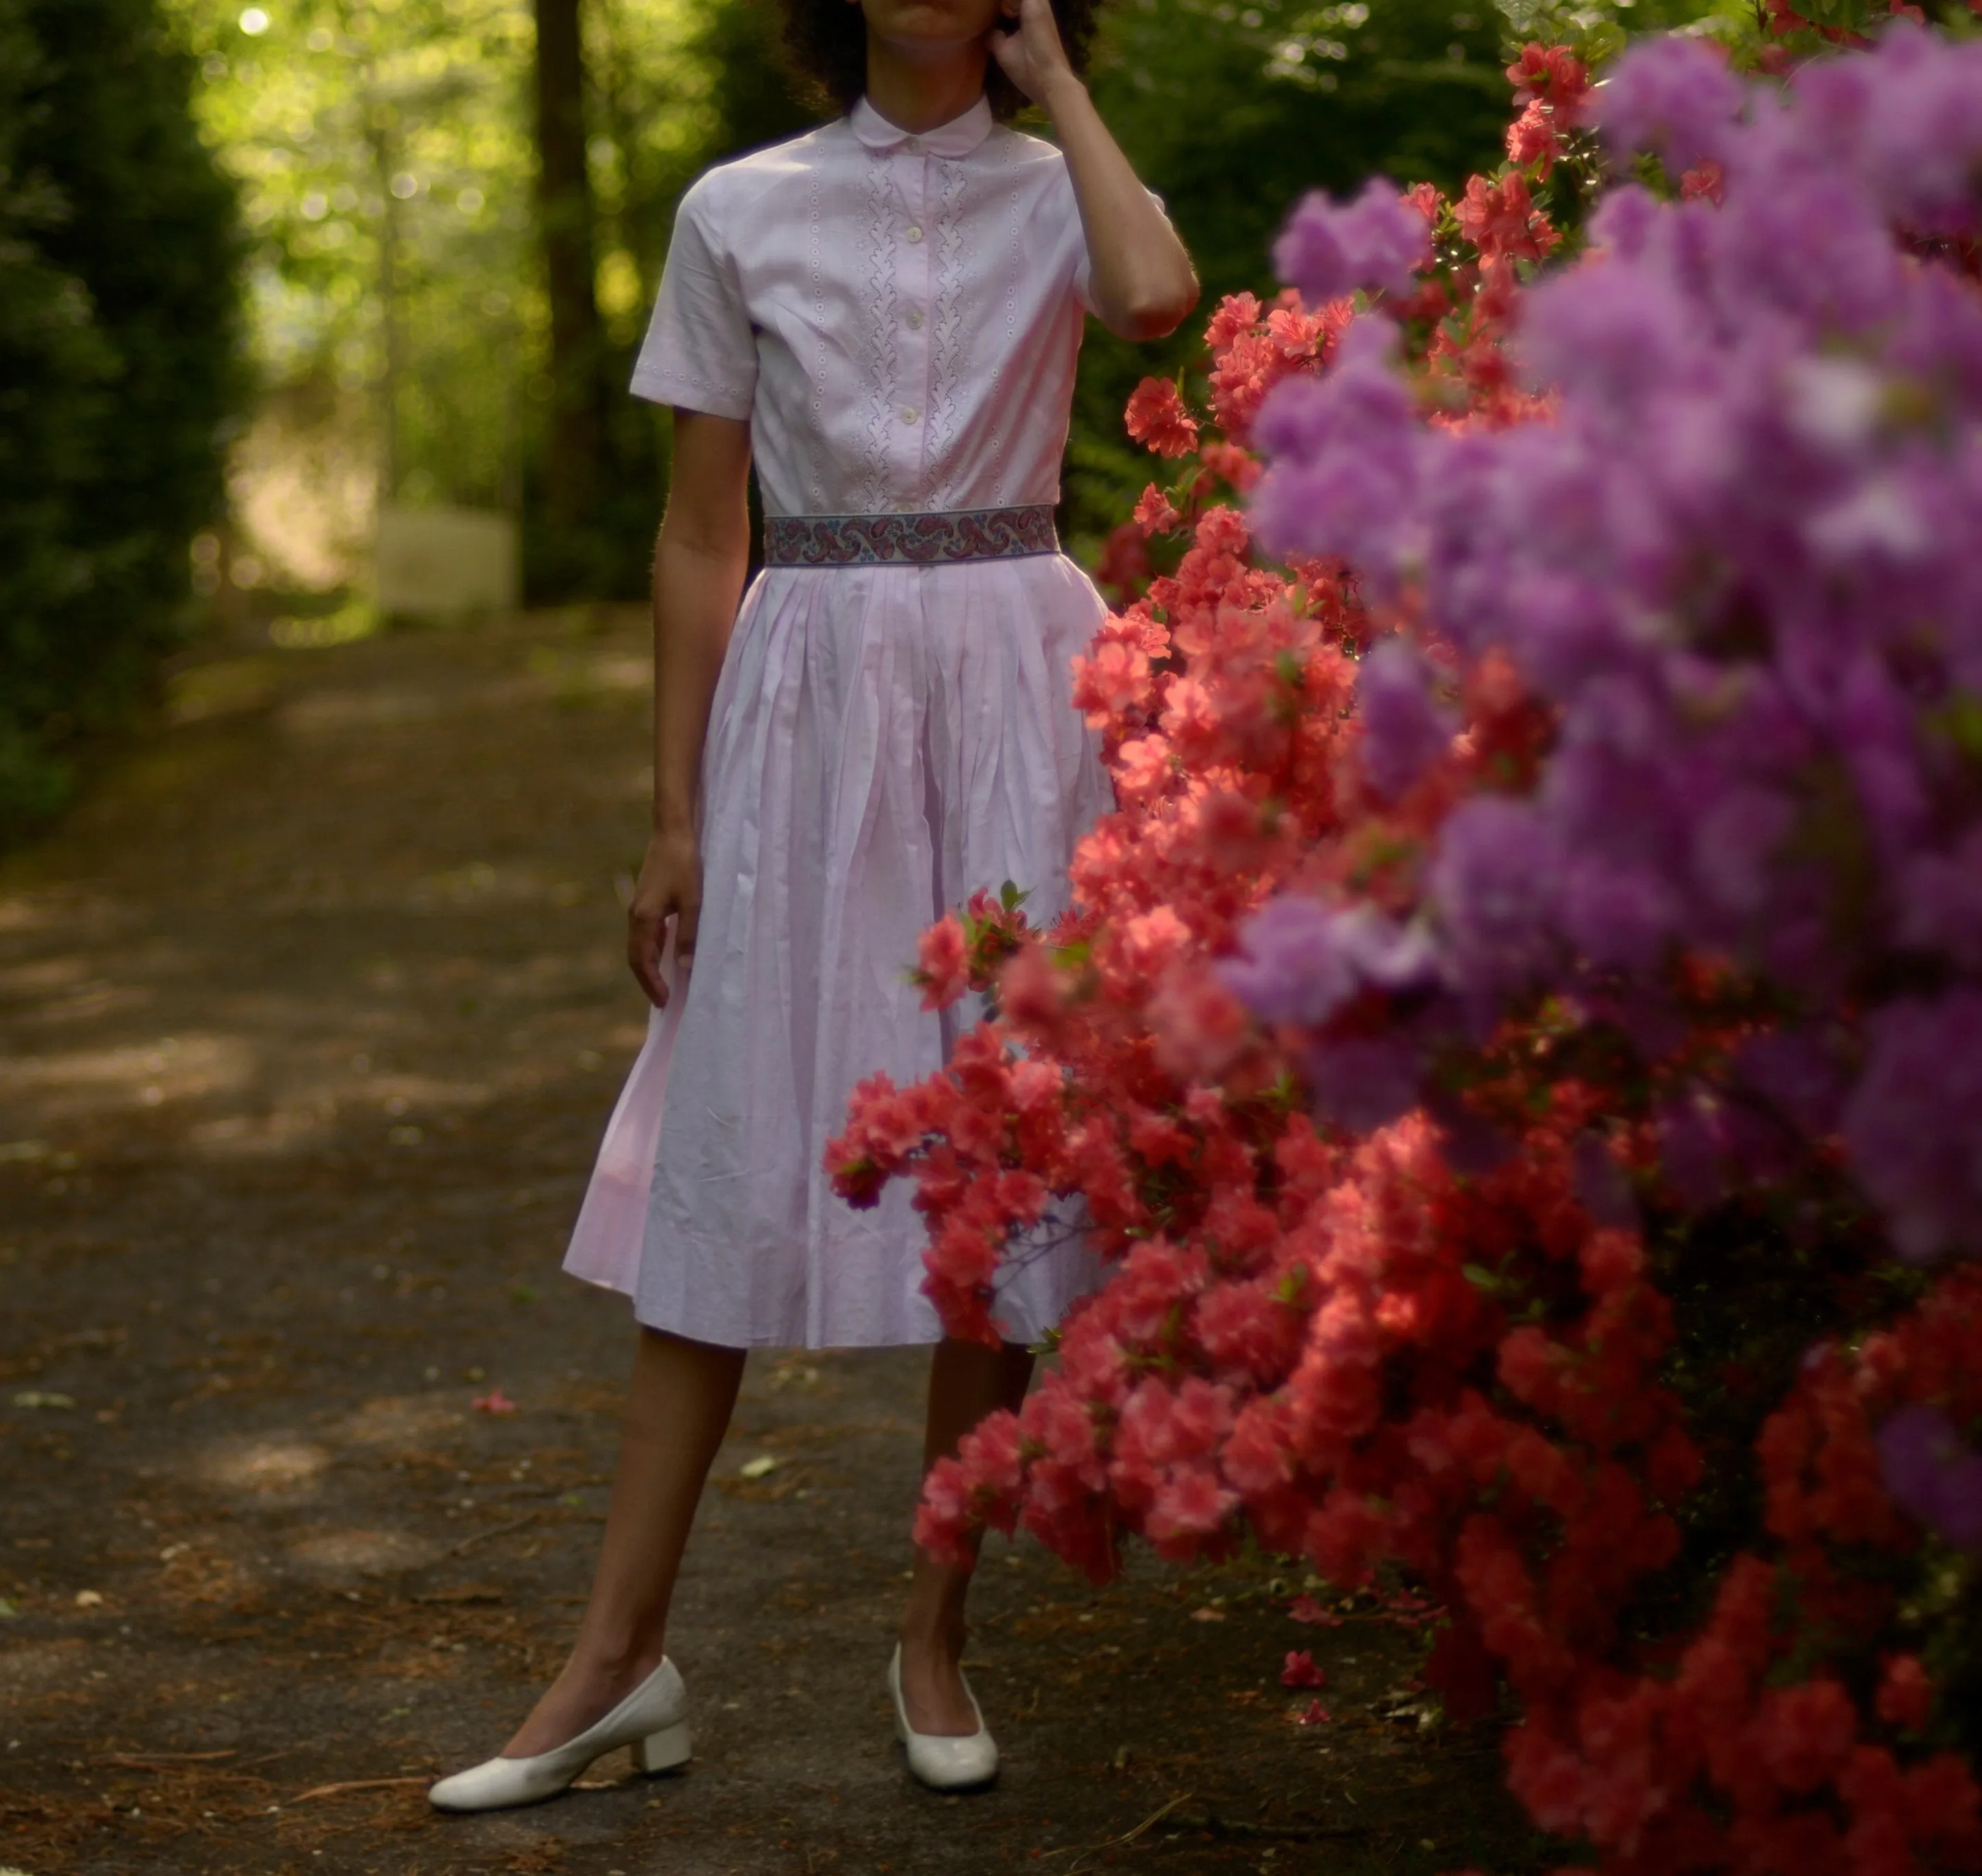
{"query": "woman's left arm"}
{"type": "Point", "coordinates": [1142, 285]}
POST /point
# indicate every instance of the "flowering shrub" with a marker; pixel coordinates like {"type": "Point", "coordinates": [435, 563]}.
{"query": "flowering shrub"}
{"type": "Point", "coordinates": [1520, 1035]}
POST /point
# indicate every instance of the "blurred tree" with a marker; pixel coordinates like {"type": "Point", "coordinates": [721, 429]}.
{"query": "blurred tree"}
{"type": "Point", "coordinates": [119, 323]}
{"type": "Point", "coordinates": [387, 152]}
{"type": "Point", "coordinates": [384, 159]}
{"type": "Point", "coordinates": [755, 99]}
{"type": "Point", "coordinates": [572, 465]}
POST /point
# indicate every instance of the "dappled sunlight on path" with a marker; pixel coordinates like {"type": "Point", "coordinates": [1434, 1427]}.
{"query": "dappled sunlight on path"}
{"type": "Point", "coordinates": [310, 1019]}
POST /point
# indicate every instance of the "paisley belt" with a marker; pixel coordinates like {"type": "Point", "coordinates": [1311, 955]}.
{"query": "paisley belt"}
{"type": "Point", "coordinates": [926, 540]}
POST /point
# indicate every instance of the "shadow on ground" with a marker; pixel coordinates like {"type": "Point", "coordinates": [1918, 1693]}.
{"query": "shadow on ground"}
{"type": "Point", "coordinates": [309, 1023]}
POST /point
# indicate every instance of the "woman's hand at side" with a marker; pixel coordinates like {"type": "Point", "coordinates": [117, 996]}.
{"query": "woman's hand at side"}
{"type": "Point", "coordinates": [669, 887]}
{"type": "Point", "coordinates": [699, 562]}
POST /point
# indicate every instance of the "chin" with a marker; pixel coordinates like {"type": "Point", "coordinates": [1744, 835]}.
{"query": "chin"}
{"type": "Point", "coordinates": [944, 21]}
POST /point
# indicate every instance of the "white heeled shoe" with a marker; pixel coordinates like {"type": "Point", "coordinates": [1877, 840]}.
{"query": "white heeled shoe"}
{"type": "Point", "coordinates": [944, 1761]}
{"type": "Point", "coordinates": [652, 1720]}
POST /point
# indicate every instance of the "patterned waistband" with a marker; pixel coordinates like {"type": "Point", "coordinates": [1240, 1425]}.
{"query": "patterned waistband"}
{"type": "Point", "coordinates": [909, 540]}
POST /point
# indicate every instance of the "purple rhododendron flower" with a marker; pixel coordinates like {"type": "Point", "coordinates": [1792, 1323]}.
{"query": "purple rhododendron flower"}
{"type": "Point", "coordinates": [1693, 1152]}
{"type": "Point", "coordinates": [1365, 1082]}
{"type": "Point", "coordinates": [1329, 249]}
{"type": "Point", "coordinates": [1626, 222]}
{"type": "Point", "coordinates": [1383, 953]}
{"type": "Point", "coordinates": [1299, 961]}
{"type": "Point", "coordinates": [1735, 842]}
{"type": "Point", "coordinates": [1908, 114]}
{"type": "Point", "coordinates": [1289, 968]}
{"type": "Point", "coordinates": [1941, 896]}
{"type": "Point", "coordinates": [1914, 1119]}
{"type": "Point", "coordinates": [1797, 1075]}
{"type": "Point", "coordinates": [1622, 335]}
{"type": "Point", "coordinates": [1737, 563]}
{"type": "Point", "coordinates": [1403, 731]}
{"type": "Point", "coordinates": [1932, 1475]}
{"type": "Point", "coordinates": [1347, 447]}
{"type": "Point", "coordinates": [1673, 96]}
{"type": "Point", "coordinates": [1494, 882]}
{"type": "Point", "coordinates": [1618, 914]}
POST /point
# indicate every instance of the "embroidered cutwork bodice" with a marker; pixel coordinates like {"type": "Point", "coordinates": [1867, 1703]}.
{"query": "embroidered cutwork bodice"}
{"type": "Point", "coordinates": [897, 316]}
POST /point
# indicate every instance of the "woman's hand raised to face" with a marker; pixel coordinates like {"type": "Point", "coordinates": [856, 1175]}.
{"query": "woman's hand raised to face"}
{"type": "Point", "coordinates": [1141, 282]}
{"type": "Point", "coordinates": [1027, 45]}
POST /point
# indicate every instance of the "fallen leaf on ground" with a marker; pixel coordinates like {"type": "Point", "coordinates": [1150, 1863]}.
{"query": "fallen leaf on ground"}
{"type": "Point", "coordinates": [758, 1467]}
{"type": "Point", "coordinates": [1304, 1608]}
{"type": "Point", "coordinates": [1301, 1671]}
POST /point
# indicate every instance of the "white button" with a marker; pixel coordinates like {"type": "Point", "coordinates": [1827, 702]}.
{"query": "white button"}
{"type": "Point", "coordinates": [915, 319]}
{"type": "Point", "coordinates": [915, 234]}
{"type": "Point", "coordinates": [916, 145]}
{"type": "Point", "coordinates": [909, 413]}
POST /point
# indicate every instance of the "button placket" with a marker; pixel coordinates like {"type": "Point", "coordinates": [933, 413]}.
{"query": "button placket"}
{"type": "Point", "coordinates": [915, 262]}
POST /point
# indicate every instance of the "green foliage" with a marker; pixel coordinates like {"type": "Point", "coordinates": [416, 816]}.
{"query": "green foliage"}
{"type": "Point", "coordinates": [118, 328]}
{"type": "Point", "coordinates": [386, 154]}
{"type": "Point", "coordinates": [1231, 113]}
{"type": "Point", "coordinates": [384, 160]}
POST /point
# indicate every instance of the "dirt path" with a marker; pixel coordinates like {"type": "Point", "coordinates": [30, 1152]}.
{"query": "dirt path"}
{"type": "Point", "coordinates": [309, 1021]}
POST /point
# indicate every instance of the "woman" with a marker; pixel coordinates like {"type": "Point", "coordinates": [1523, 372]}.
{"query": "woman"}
{"type": "Point", "coordinates": [883, 315]}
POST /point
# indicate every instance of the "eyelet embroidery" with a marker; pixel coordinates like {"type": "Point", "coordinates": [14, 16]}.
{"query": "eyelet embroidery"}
{"type": "Point", "coordinates": [877, 244]}
{"type": "Point", "coordinates": [946, 322]}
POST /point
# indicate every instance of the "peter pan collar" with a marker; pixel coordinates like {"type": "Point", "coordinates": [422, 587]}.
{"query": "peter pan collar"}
{"type": "Point", "coordinates": [958, 137]}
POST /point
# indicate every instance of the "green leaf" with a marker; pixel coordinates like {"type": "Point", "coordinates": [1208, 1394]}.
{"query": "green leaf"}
{"type": "Point", "coordinates": [1599, 42]}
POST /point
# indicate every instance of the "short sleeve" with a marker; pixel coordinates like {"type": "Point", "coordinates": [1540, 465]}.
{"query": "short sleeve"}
{"type": "Point", "coordinates": [699, 351]}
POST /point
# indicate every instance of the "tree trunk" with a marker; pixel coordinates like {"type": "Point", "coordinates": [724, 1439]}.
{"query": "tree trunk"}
{"type": "Point", "coordinates": [564, 203]}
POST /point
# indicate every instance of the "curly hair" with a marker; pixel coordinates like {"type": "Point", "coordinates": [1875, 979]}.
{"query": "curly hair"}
{"type": "Point", "coordinates": [825, 43]}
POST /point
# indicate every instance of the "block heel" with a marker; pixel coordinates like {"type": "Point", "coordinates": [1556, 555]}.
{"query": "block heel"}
{"type": "Point", "coordinates": [666, 1750]}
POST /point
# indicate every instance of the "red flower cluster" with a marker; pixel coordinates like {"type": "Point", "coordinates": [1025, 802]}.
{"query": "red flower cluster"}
{"type": "Point", "coordinates": [1551, 75]}
{"type": "Point", "coordinates": [1403, 1349]}
{"type": "Point", "coordinates": [1157, 416]}
{"type": "Point", "coordinates": [1756, 1748]}
{"type": "Point", "coordinates": [1254, 348]}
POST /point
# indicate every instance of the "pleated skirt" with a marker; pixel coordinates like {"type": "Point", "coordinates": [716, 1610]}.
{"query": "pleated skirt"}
{"type": "Point", "coordinates": [883, 741]}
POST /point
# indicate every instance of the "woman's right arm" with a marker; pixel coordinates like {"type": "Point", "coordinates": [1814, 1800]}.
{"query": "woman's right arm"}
{"type": "Point", "coordinates": [699, 564]}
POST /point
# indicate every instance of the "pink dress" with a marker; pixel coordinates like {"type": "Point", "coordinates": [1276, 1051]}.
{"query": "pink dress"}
{"type": "Point", "coordinates": [898, 317]}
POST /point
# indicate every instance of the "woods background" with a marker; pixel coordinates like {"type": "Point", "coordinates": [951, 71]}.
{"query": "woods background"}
{"type": "Point", "coordinates": [271, 270]}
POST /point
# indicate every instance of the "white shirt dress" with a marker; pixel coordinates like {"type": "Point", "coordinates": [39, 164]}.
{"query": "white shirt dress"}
{"type": "Point", "coordinates": [898, 317]}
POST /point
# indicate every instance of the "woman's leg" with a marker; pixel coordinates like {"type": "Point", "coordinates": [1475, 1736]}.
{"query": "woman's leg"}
{"type": "Point", "coordinates": [677, 1407]}
{"type": "Point", "coordinates": [967, 1381]}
